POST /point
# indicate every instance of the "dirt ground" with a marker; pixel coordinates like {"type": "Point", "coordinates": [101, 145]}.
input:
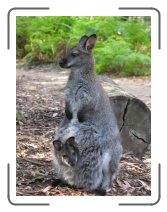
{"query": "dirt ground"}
{"type": "Point", "coordinates": [40, 108]}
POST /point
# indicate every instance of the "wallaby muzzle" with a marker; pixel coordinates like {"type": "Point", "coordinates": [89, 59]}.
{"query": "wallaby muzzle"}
{"type": "Point", "coordinates": [63, 63]}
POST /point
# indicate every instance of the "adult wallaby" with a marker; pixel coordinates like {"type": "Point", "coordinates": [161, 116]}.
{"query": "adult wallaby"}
{"type": "Point", "coordinates": [90, 120]}
{"type": "Point", "coordinates": [85, 99]}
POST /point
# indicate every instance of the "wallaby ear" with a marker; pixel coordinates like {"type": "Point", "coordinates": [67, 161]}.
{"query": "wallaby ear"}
{"type": "Point", "coordinates": [57, 145]}
{"type": "Point", "coordinates": [83, 40]}
{"type": "Point", "coordinates": [90, 43]}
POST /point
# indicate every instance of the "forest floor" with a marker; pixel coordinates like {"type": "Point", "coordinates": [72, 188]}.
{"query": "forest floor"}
{"type": "Point", "coordinates": [40, 108]}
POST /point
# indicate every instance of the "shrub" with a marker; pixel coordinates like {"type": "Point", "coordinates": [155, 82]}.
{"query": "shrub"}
{"type": "Point", "coordinates": [123, 45]}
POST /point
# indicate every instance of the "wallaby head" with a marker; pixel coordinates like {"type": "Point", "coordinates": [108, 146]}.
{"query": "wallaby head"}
{"type": "Point", "coordinates": [68, 153]}
{"type": "Point", "coordinates": [80, 54]}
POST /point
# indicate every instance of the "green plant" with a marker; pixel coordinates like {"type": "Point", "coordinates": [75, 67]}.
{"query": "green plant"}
{"type": "Point", "coordinates": [123, 44]}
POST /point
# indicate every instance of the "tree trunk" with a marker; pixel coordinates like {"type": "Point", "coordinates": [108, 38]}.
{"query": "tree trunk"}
{"type": "Point", "coordinates": [133, 116]}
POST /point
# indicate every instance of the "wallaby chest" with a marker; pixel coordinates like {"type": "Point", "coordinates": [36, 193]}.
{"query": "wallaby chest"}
{"type": "Point", "coordinates": [80, 93]}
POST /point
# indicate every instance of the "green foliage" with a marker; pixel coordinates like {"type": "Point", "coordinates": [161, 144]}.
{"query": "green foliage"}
{"type": "Point", "coordinates": [123, 45]}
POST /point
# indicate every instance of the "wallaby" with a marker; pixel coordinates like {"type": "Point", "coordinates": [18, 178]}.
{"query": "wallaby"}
{"type": "Point", "coordinates": [90, 121]}
{"type": "Point", "coordinates": [85, 99]}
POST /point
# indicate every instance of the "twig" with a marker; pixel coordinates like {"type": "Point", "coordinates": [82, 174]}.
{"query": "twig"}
{"type": "Point", "coordinates": [35, 162]}
{"type": "Point", "coordinates": [135, 166]}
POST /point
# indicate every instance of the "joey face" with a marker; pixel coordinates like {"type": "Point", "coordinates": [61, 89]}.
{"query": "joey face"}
{"type": "Point", "coordinates": [67, 153]}
{"type": "Point", "coordinates": [80, 54]}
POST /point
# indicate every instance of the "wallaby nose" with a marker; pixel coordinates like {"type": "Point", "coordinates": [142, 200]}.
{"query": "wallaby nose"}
{"type": "Point", "coordinates": [62, 63]}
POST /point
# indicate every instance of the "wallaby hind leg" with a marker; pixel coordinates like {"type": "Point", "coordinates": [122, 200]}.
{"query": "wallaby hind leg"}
{"type": "Point", "coordinates": [108, 177]}
{"type": "Point", "coordinates": [114, 162]}
{"type": "Point", "coordinates": [110, 167]}
{"type": "Point", "coordinates": [106, 172]}
{"type": "Point", "coordinates": [106, 181]}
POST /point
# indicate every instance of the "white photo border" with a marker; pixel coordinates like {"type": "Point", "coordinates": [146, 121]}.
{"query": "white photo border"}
{"type": "Point", "coordinates": [158, 164]}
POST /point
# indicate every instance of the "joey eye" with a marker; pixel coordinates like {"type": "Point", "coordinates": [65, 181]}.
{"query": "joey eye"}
{"type": "Point", "coordinates": [73, 153]}
{"type": "Point", "coordinates": [65, 156]}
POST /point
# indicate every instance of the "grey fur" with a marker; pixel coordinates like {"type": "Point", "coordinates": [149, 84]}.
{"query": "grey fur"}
{"type": "Point", "coordinates": [90, 120]}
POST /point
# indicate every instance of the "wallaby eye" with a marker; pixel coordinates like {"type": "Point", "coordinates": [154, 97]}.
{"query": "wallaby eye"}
{"type": "Point", "coordinates": [74, 54]}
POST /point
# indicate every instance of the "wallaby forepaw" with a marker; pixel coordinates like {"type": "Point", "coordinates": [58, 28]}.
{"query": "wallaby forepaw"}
{"type": "Point", "coordinates": [108, 190]}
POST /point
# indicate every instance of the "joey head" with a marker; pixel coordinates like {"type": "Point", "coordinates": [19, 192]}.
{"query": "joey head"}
{"type": "Point", "coordinates": [66, 153]}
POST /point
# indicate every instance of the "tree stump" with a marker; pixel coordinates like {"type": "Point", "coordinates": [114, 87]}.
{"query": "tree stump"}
{"type": "Point", "coordinates": [133, 117]}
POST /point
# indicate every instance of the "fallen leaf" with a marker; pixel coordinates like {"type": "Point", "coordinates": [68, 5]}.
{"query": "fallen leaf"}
{"type": "Point", "coordinates": [125, 185]}
{"type": "Point", "coordinates": [47, 189]}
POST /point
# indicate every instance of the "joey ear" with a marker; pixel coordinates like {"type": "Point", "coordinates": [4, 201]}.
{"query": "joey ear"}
{"type": "Point", "coordinates": [72, 145]}
{"type": "Point", "coordinates": [90, 43]}
{"type": "Point", "coordinates": [71, 141]}
{"type": "Point", "coordinates": [57, 145]}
